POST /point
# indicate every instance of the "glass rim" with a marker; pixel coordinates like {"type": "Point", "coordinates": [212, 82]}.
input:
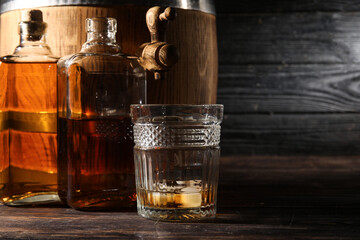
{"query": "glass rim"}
{"type": "Point", "coordinates": [166, 113]}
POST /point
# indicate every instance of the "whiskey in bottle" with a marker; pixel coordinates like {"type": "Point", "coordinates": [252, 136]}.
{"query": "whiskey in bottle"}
{"type": "Point", "coordinates": [101, 151]}
{"type": "Point", "coordinates": [95, 90]}
{"type": "Point", "coordinates": [28, 139]}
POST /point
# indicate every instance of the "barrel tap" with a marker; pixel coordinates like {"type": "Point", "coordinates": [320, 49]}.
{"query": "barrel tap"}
{"type": "Point", "coordinates": [158, 56]}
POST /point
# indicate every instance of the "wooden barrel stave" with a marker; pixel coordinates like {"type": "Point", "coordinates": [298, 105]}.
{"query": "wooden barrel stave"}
{"type": "Point", "coordinates": [193, 80]}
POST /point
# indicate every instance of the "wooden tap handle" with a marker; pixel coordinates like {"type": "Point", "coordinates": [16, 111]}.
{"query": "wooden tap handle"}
{"type": "Point", "coordinates": [168, 14]}
{"type": "Point", "coordinates": [158, 55]}
{"type": "Point", "coordinates": [156, 22]}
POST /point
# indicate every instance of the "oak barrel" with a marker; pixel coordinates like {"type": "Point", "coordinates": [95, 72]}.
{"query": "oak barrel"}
{"type": "Point", "coordinates": [193, 80]}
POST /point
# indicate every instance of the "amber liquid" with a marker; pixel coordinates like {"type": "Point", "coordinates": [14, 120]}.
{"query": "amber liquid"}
{"type": "Point", "coordinates": [62, 161]}
{"type": "Point", "coordinates": [28, 165]}
{"type": "Point", "coordinates": [99, 162]}
{"type": "Point", "coordinates": [177, 183]}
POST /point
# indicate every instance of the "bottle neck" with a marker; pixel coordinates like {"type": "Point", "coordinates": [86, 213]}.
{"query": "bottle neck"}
{"type": "Point", "coordinates": [26, 39]}
{"type": "Point", "coordinates": [106, 37]}
{"type": "Point", "coordinates": [101, 42]}
{"type": "Point", "coordinates": [32, 45]}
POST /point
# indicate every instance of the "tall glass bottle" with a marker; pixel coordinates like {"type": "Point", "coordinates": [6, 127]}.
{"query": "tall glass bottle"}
{"type": "Point", "coordinates": [95, 90]}
{"type": "Point", "coordinates": [28, 139]}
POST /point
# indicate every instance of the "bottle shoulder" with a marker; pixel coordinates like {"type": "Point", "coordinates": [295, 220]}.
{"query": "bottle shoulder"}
{"type": "Point", "coordinates": [116, 56]}
{"type": "Point", "coordinates": [28, 59]}
{"type": "Point", "coordinates": [95, 62]}
{"type": "Point", "coordinates": [32, 52]}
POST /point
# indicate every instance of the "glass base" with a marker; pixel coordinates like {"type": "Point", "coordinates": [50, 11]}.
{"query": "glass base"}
{"type": "Point", "coordinates": [178, 215]}
{"type": "Point", "coordinates": [45, 198]}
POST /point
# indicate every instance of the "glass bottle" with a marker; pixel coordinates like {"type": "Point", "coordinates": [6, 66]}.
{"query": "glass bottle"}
{"type": "Point", "coordinates": [62, 148]}
{"type": "Point", "coordinates": [28, 139]}
{"type": "Point", "coordinates": [95, 90]}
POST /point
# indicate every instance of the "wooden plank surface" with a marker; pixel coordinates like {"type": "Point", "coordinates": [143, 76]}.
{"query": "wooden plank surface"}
{"type": "Point", "coordinates": [289, 76]}
{"type": "Point", "coordinates": [295, 88]}
{"type": "Point", "coordinates": [291, 134]}
{"type": "Point", "coordinates": [290, 182]}
{"type": "Point", "coordinates": [279, 6]}
{"type": "Point", "coordinates": [259, 198]}
{"type": "Point", "coordinates": [289, 38]}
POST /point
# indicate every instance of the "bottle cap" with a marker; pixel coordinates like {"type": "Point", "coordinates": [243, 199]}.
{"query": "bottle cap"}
{"type": "Point", "coordinates": [32, 15]}
{"type": "Point", "coordinates": [32, 23]}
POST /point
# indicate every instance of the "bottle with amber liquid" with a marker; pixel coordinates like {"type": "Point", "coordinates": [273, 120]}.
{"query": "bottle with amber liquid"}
{"type": "Point", "coordinates": [95, 90]}
{"type": "Point", "coordinates": [28, 138]}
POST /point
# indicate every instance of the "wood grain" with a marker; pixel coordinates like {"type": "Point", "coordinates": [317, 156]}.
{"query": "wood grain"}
{"type": "Point", "coordinates": [288, 77]}
{"type": "Point", "coordinates": [290, 88]}
{"type": "Point", "coordinates": [33, 151]}
{"type": "Point", "coordinates": [4, 157]}
{"type": "Point", "coordinates": [308, 38]}
{"type": "Point", "coordinates": [291, 134]}
{"type": "Point", "coordinates": [31, 87]}
{"type": "Point", "coordinates": [260, 197]}
{"type": "Point", "coordinates": [192, 80]}
{"type": "Point", "coordinates": [290, 182]}
{"type": "Point", "coordinates": [281, 6]}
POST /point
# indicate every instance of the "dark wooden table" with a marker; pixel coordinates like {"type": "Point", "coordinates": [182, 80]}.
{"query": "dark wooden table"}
{"type": "Point", "coordinates": [259, 198]}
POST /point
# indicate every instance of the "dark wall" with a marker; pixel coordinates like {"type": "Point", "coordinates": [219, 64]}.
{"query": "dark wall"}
{"type": "Point", "coordinates": [289, 76]}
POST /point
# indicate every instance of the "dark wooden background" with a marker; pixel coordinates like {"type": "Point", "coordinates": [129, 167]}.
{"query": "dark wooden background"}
{"type": "Point", "coordinates": [289, 77]}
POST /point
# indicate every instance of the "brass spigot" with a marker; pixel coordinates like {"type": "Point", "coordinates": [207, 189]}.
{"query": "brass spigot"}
{"type": "Point", "coordinates": [158, 56]}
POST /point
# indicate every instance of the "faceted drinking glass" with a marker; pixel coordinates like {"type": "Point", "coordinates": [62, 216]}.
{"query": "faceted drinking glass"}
{"type": "Point", "coordinates": [176, 158]}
